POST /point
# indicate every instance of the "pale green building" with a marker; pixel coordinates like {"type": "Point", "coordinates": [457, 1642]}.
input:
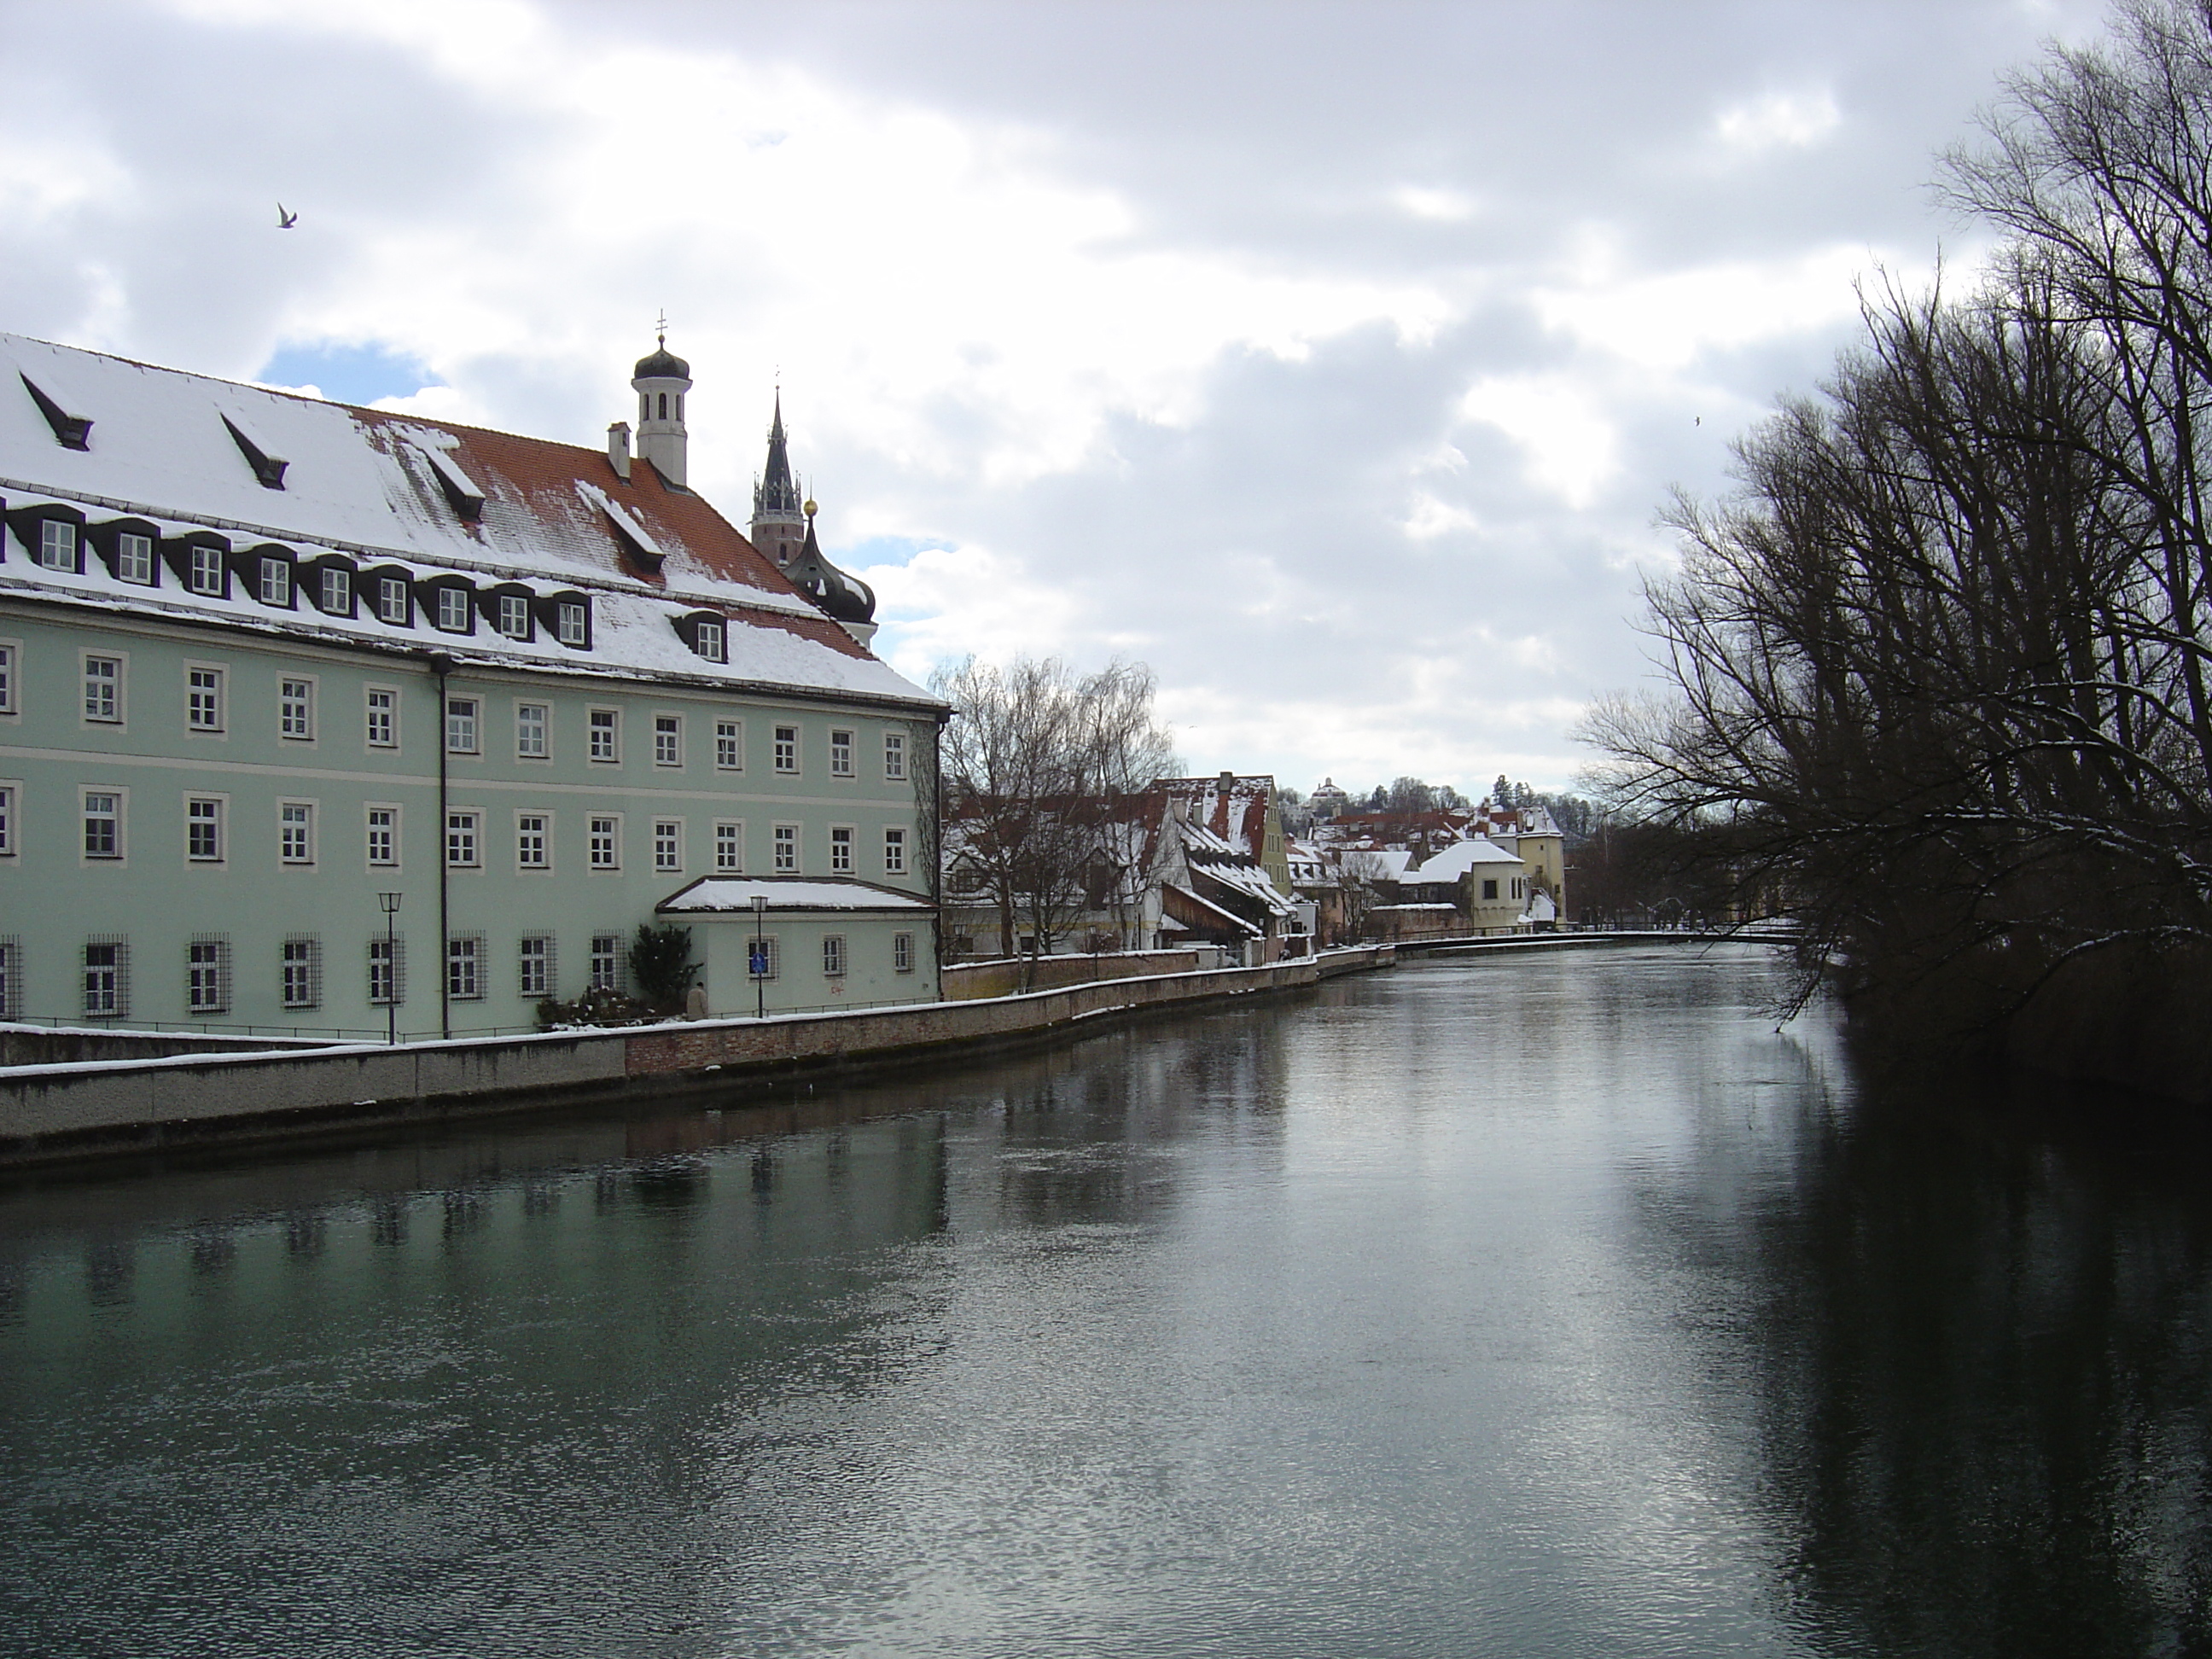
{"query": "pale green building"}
{"type": "Point", "coordinates": [269, 666]}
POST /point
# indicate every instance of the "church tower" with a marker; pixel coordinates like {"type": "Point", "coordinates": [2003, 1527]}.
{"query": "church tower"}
{"type": "Point", "coordinates": [660, 382]}
{"type": "Point", "coordinates": [780, 524]}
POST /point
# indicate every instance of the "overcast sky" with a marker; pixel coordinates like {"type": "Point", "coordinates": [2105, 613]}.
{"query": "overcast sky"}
{"type": "Point", "coordinates": [1331, 358]}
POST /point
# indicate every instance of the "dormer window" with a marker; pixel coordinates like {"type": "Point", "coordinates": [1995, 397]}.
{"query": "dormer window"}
{"type": "Point", "coordinates": [337, 597]}
{"type": "Point", "coordinates": [274, 582]}
{"type": "Point", "coordinates": [706, 633]}
{"type": "Point", "coordinates": [711, 644]}
{"type": "Point", "coordinates": [57, 545]}
{"type": "Point", "coordinates": [393, 603]}
{"type": "Point", "coordinates": [134, 558]}
{"type": "Point", "coordinates": [514, 616]}
{"type": "Point", "coordinates": [452, 611]}
{"type": "Point", "coordinates": [205, 574]}
{"type": "Point", "coordinates": [574, 623]}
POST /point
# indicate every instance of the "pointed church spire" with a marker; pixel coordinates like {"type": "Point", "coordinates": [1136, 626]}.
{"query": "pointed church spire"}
{"type": "Point", "coordinates": [779, 528]}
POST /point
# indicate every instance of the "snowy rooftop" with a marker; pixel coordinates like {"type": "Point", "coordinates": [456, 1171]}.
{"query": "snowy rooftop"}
{"type": "Point", "coordinates": [737, 893]}
{"type": "Point", "coordinates": [1460, 857]}
{"type": "Point", "coordinates": [187, 453]}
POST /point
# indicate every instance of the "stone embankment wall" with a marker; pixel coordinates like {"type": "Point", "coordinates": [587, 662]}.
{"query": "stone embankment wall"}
{"type": "Point", "coordinates": [1003, 978]}
{"type": "Point", "coordinates": [69, 1110]}
{"type": "Point", "coordinates": [63, 1045]}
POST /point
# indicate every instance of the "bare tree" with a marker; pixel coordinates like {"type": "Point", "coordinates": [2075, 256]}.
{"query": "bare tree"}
{"type": "Point", "coordinates": [1359, 878]}
{"type": "Point", "coordinates": [1038, 763]}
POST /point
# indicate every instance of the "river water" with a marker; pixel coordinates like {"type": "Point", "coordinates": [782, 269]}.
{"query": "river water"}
{"type": "Point", "coordinates": [1550, 1305]}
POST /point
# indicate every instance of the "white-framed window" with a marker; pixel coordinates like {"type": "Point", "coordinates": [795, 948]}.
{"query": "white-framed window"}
{"type": "Point", "coordinates": [840, 754]}
{"type": "Point", "coordinates": [461, 725]}
{"type": "Point", "coordinates": [464, 967]}
{"type": "Point", "coordinates": [7, 678]}
{"type": "Point", "coordinates": [833, 956]}
{"type": "Point", "coordinates": [668, 739]}
{"type": "Point", "coordinates": [667, 844]}
{"type": "Point", "coordinates": [841, 850]}
{"type": "Point", "coordinates": [275, 586]}
{"type": "Point", "coordinates": [605, 726]}
{"type": "Point", "coordinates": [761, 957]}
{"type": "Point", "coordinates": [204, 816]}
{"type": "Point", "coordinates": [534, 840]}
{"type": "Point", "coordinates": [387, 970]}
{"type": "Point", "coordinates": [392, 604]}
{"type": "Point", "coordinates": [711, 643]}
{"type": "Point", "coordinates": [103, 824]}
{"type": "Point", "coordinates": [383, 837]}
{"type": "Point", "coordinates": [902, 953]}
{"type": "Point", "coordinates": [571, 622]}
{"type": "Point", "coordinates": [452, 613]}
{"type": "Point", "coordinates": [463, 840]}
{"type": "Point", "coordinates": [894, 852]}
{"type": "Point", "coordinates": [134, 558]}
{"type": "Point", "coordinates": [299, 966]}
{"type": "Point", "coordinates": [204, 570]}
{"type": "Point", "coordinates": [204, 697]}
{"type": "Point", "coordinates": [295, 830]}
{"type": "Point", "coordinates": [606, 962]}
{"type": "Point", "coordinates": [729, 745]}
{"type": "Point", "coordinates": [533, 728]}
{"type": "Point", "coordinates": [103, 689]}
{"type": "Point", "coordinates": [514, 616]}
{"type": "Point", "coordinates": [383, 708]}
{"type": "Point", "coordinates": [602, 842]}
{"type": "Point", "coordinates": [534, 965]}
{"type": "Point", "coordinates": [787, 849]}
{"type": "Point", "coordinates": [58, 544]}
{"type": "Point", "coordinates": [106, 976]}
{"type": "Point", "coordinates": [7, 820]}
{"type": "Point", "coordinates": [207, 976]}
{"type": "Point", "coordinates": [337, 590]}
{"type": "Point", "coordinates": [894, 756]}
{"type": "Point", "coordinates": [787, 749]}
{"type": "Point", "coordinates": [729, 849]}
{"type": "Point", "coordinates": [296, 710]}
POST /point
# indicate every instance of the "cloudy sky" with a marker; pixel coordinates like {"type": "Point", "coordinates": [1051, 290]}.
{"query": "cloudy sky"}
{"type": "Point", "coordinates": [1332, 359]}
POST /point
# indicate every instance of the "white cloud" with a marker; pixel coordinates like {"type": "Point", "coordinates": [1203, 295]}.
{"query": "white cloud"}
{"type": "Point", "coordinates": [1778, 120]}
{"type": "Point", "coordinates": [1570, 444]}
{"type": "Point", "coordinates": [1430, 202]}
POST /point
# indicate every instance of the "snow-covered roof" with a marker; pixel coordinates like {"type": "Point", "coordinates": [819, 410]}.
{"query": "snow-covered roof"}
{"type": "Point", "coordinates": [736, 893]}
{"type": "Point", "coordinates": [1461, 856]}
{"type": "Point", "coordinates": [1230, 806]}
{"type": "Point", "coordinates": [186, 454]}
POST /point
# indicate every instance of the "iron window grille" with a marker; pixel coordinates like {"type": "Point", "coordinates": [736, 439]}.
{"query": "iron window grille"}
{"type": "Point", "coordinates": [106, 971]}
{"type": "Point", "coordinates": [535, 976]}
{"type": "Point", "coordinates": [606, 963]}
{"type": "Point", "coordinates": [301, 968]}
{"type": "Point", "coordinates": [464, 967]}
{"type": "Point", "coordinates": [387, 970]}
{"type": "Point", "coordinates": [207, 975]}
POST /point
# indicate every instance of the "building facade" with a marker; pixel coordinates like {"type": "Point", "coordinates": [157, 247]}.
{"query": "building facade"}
{"type": "Point", "coordinates": [328, 720]}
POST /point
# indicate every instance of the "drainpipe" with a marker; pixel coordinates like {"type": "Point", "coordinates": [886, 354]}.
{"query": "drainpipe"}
{"type": "Point", "coordinates": [442, 665]}
{"type": "Point", "coordinates": [937, 845]}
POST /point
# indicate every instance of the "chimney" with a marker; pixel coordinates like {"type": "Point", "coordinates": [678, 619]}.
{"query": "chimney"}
{"type": "Point", "coordinates": [1228, 782]}
{"type": "Point", "coordinates": [619, 448]}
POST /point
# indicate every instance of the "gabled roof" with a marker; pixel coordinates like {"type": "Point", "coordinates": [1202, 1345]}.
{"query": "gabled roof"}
{"type": "Point", "coordinates": [1237, 812]}
{"type": "Point", "coordinates": [1460, 857]}
{"type": "Point", "coordinates": [188, 453]}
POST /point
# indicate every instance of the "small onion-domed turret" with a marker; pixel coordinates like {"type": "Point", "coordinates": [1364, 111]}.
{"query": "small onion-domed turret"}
{"type": "Point", "coordinates": [661, 380]}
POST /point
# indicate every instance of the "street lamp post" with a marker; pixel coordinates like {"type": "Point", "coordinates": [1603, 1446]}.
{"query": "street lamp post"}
{"type": "Point", "coordinates": [759, 954]}
{"type": "Point", "coordinates": [389, 904]}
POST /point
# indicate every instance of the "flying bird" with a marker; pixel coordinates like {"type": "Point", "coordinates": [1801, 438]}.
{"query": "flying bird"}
{"type": "Point", "coordinates": [285, 220]}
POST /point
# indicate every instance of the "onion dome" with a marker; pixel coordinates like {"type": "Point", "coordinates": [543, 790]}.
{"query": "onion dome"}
{"type": "Point", "coordinates": [662, 365]}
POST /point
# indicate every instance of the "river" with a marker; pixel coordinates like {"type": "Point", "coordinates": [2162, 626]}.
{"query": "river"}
{"type": "Point", "coordinates": [1550, 1306]}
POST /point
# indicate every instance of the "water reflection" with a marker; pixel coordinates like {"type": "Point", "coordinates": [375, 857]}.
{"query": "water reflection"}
{"type": "Point", "coordinates": [1555, 1306]}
